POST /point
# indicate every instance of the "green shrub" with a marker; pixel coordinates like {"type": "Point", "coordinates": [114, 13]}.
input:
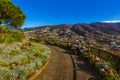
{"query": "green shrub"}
{"type": "Point", "coordinates": [111, 76]}
{"type": "Point", "coordinates": [15, 52]}
{"type": "Point", "coordinates": [3, 29]}
{"type": "Point", "coordinates": [15, 35]}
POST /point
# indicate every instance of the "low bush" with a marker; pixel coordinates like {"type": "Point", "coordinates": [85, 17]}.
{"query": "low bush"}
{"type": "Point", "coordinates": [19, 64]}
{"type": "Point", "coordinates": [102, 67]}
{"type": "Point", "coordinates": [12, 36]}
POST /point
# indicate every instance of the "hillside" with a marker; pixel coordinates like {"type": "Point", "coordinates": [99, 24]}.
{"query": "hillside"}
{"type": "Point", "coordinates": [85, 28]}
{"type": "Point", "coordinates": [96, 34]}
{"type": "Point", "coordinates": [19, 58]}
{"type": "Point", "coordinates": [109, 28]}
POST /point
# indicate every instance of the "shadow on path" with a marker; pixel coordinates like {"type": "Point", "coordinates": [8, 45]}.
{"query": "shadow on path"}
{"type": "Point", "coordinates": [82, 69]}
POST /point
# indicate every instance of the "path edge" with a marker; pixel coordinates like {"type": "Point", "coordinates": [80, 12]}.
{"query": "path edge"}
{"type": "Point", "coordinates": [41, 69]}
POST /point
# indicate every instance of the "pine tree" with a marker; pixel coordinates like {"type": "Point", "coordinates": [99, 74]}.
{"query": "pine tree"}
{"type": "Point", "coordinates": [10, 13]}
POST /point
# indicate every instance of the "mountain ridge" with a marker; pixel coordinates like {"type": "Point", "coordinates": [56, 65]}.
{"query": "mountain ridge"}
{"type": "Point", "coordinates": [83, 28]}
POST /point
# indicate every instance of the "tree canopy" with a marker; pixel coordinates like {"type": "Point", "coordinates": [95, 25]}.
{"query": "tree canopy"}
{"type": "Point", "coordinates": [10, 13]}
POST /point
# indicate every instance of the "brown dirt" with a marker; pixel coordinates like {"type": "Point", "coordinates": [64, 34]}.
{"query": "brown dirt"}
{"type": "Point", "coordinates": [64, 66]}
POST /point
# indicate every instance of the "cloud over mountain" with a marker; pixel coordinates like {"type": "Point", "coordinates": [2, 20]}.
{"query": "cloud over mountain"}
{"type": "Point", "coordinates": [111, 21]}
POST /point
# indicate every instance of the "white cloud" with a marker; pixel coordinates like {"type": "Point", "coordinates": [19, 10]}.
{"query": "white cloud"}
{"type": "Point", "coordinates": [111, 21]}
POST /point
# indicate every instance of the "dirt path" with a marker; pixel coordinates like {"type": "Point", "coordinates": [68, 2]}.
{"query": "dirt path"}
{"type": "Point", "coordinates": [59, 68]}
{"type": "Point", "coordinates": [63, 66]}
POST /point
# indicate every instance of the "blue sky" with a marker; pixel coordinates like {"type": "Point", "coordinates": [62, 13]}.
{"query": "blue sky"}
{"type": "Point", "coordinates": [49, 12]}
